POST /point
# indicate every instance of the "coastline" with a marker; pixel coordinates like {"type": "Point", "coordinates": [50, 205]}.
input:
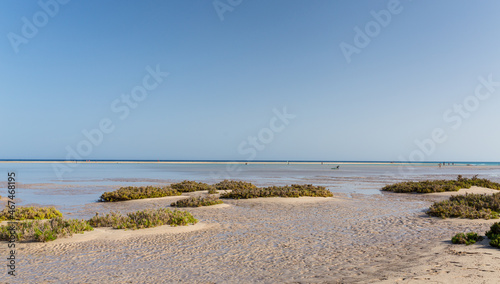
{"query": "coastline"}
{"type": "Point", "coordinates": [232, 162]}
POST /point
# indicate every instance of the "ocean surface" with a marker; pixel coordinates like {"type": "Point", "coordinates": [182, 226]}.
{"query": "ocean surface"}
{"type": "Point", "coordinates": [78, 184]}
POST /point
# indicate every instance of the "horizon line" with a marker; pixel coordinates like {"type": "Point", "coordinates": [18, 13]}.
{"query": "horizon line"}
{"type": "Point", "coordinates": [238, 161]}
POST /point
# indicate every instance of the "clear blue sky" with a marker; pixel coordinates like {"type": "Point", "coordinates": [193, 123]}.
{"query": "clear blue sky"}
{"type": "Point", "coordinates": [229, 70]}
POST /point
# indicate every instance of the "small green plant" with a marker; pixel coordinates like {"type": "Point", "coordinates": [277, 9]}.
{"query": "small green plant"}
{"type": "Point", "coordinates": [131, 192]}
{"type": "Point", "coordinates": [471, 206]}
{"type": "Point", "coordinates": [467, 239]}
{"type": "Point", "coordinates": [37, 213]}
{"type": "Point", "coordinates": [494, 235]}
{"type": "Point", "coordinates": [44, 231]}
{"type": "Point", "coordinates": [294, 190]}
{"type": "Point", "coordinates": [143, 219]}
{"type": "Point", "coordinates": [494, 230]}
{"type": "Point", "coordinates": [430, 186]}
{"type": "Point", "coordinates": [197, 201]}
{"type": "Point", "coordinates": [190, 186]}
{"type": "Point", "coordinates": [495, 242]}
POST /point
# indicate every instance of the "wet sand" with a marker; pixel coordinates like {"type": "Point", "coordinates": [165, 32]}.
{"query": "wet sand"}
{"type": "Point", "coordinates": [346, 239]}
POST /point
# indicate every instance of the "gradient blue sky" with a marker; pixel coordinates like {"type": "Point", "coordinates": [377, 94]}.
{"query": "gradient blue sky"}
{"type": "Point", "coordinates": [227, 76]}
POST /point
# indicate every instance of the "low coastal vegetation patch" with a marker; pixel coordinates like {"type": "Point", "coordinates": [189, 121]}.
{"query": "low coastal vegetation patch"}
{"type": "Point", "coordinates": [37, 213]}
{"type": "Point", "coordinates": [49, 230]}
{"type": "Point", "coordinates": [430, 186]}
{"type": "Point", "coordinates": [190, 186]}
{"type": "Point", "coordinates": [294, 190]}
{"type": "Point", "coordinates": [197, 201]}
{"type": "Point", "coordinates": [470, 238]}
{"type": "Point", "coordinates": [471, 206]}
{"type": "Point", "coordinates": [234, 185]}
{"type": "Point", "coordinates": [239, 189]}
{"type": "Point", "coordinates": [141, 192]}
{"type": "Point", "coordinates": [143, 219]}
{"type": "Point", "coordinates": [43, 230]}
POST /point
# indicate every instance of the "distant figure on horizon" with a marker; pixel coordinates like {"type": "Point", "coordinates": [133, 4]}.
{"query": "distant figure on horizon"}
{"type": "Point", "coordinates": [439, 165]}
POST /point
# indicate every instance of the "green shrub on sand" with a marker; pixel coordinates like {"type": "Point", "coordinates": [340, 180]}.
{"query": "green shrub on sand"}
{"type": "Point", "coordinates": [430, 186]}
{"type": "Point", "coordinates": [233, 184]}
{"type": "Point", "coordinates": [49, 230]}
{"type": "Point", "coordinates": [197, 201]}
{"type": "Point", "coordinates": [143, 219]}
{"type": "Point", "coordinates": [471, 206]}
{"type": "Point", "coordinates": [494, 235]}
{"type": "Point", "coordinates": [44, 231]}
{"type": "Point", "coordinates": [470, 238]}
{"type": "Point", "coordinates": [131, 192]}
{"type": "Point", "coordinates": [190, 186]}
{"type": "Point", "coordinates": [293, 190]}
{"type": "Point", "coordinates": [37, 213]}
{"type": "Point", "coordinates": [467, 239]}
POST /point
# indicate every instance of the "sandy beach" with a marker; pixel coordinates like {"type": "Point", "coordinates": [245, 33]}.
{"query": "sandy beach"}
{"type": "Point", "coordinates": [353, 238]}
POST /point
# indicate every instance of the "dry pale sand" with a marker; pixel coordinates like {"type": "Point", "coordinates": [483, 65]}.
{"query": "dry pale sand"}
{"type": "Point", "coordinates": [473, 189]}
{"type": "Point", "coordinates": [448, 263]}
{"type": "Point", "coordinates": [351, 238]}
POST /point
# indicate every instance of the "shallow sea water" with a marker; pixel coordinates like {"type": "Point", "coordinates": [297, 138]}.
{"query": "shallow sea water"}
{"type": "Point", "coordinates": [38, 183]}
